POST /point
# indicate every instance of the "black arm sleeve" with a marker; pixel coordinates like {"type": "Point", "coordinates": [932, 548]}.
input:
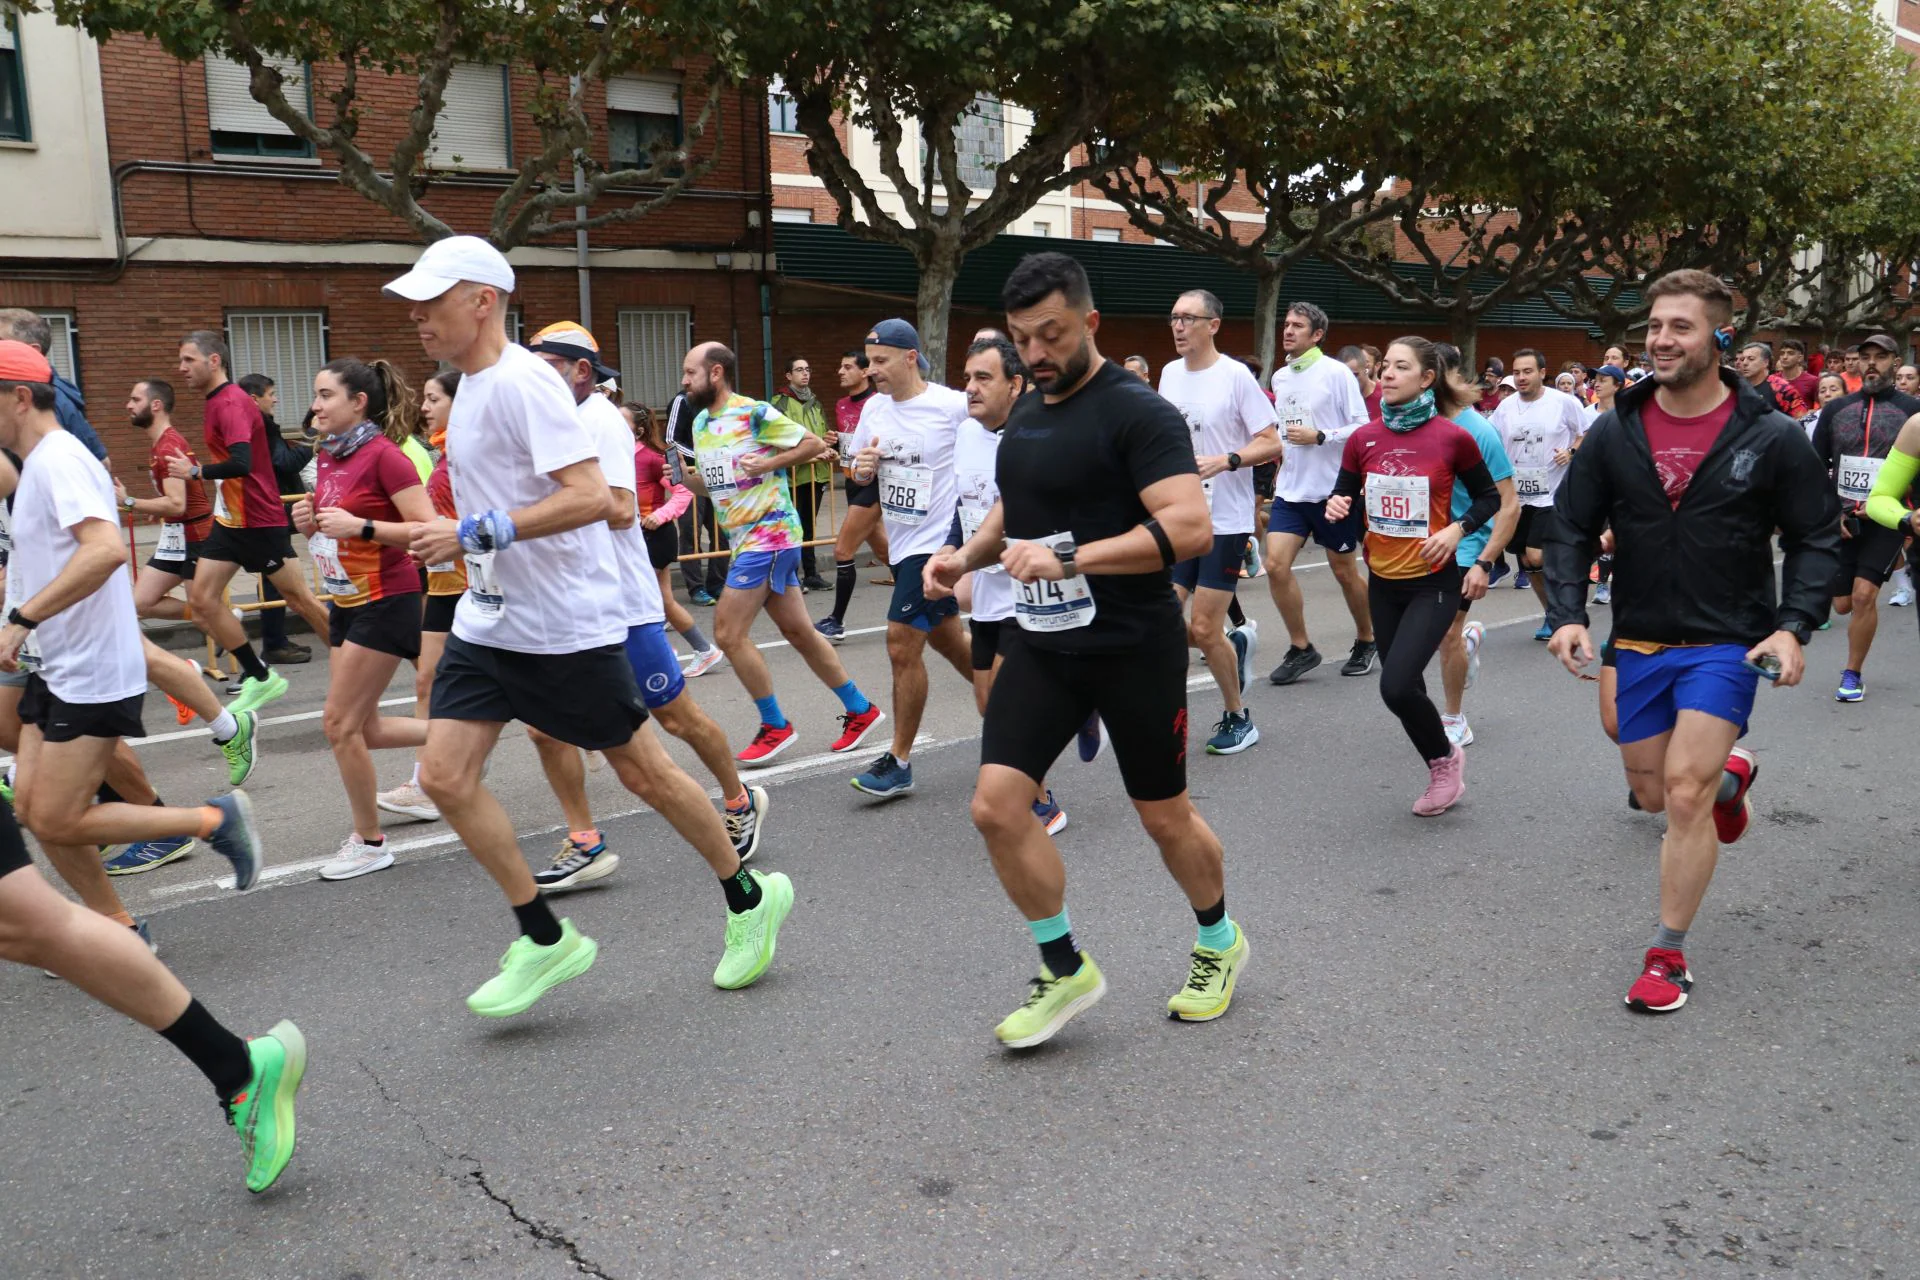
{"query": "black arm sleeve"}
{"type": "Point", "coordinates": [1580, 509]}
{"type": "Point", "coordinates": [1486, 497]}
{"type": "Point", "coordinates": [956, 536]}
{"type": "Point", "coordinates": [1348, 485]}
{"type": "Point", "coordinates": [239, 462]}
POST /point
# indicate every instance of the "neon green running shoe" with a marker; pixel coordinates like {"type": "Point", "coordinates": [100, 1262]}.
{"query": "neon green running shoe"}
{"type": "Point", "coordinates": [6, 792]}
{"type": "Point", "coordinates": [528, 970]}
{"type": "Point", "coordinates": [262, 1113]}
{"type": "Point", "coordinates": [241, 751]}
{"type": "Point", "coordinates": [255, 694]}
{"type": "Point", "coordinates": [1051, 1003]}
{"type": "Point", "coordinates": [1210, 980]}
{"type": "Point", "coordinates": [751, 934]}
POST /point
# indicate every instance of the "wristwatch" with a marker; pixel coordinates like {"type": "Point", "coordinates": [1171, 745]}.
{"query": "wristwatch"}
{"type": "Point", "coordinates": [1484, 566]}
{"type": "Point", "coordinates": [1233, 462]}
{"type": "Point", "coordinates": [1319, 437]}
{"type": "Point", "coordinates": [126, 503]}
{"type": "Point", "coordinates": [366, 531]}
{"type": "Point", "coordinates": [1065, 551]}
{"type": "Point", "coordinates": [20, 619]}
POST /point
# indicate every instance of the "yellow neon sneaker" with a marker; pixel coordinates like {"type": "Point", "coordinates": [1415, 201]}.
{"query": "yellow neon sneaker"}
{"type": "Point", "coordinates": [1210, 980]}
{"type": "Point", "coordinates": [1051, 1003]}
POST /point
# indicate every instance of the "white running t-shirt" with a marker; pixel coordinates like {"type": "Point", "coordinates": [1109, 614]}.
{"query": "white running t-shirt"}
{"type": "Point", "coordinates": [1533, 431]}
{"type": "Point", "coordinates": [974, 452]}
{"type": "Point", "coordinates": [638, 585]}
{"type": "Point", "coordinates": [514, 424]}
{"type": "Point", "coordinates": [916, 465]}
{"type": "Point", "coordinates": [1326, 396]}
{"type": "Point", "coordinates": [1224, 408]}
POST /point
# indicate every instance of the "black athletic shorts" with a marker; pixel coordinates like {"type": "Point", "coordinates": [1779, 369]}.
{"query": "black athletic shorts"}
{"type": "Point", "coordinates": [986, 640]}
{"type": "Point", "coordinates": [1265, 475]}
{"type": "Point", "coordinates": [1531, 532]}
{"type": "Point", "coordinates": [13, 850]}
{"type": "Point", "coordinates": [663, 545]}
{"type": "Point", "coordinates": [588, 699]}
{"type": "Point", "coordinates": [62, 721]}
{"type": "Point", "coordinates": [255, 550]}
{"type": "Point", "coordinates": [182, 569]}
{"type": "Point", "coordinates": [437, 614]}
{"type": "Point", "coordinates": [863, 495]}
{"type": "Point", "coordinates": [1041, 698]}
{"type": "Point", "coordinates": [910, 605]}
{"type": "Point", "coordinates": [1868, 554]}
{"type": "Point", "coordinates": [388, 625]}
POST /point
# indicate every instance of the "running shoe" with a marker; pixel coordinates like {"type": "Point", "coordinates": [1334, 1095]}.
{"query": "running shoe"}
{"type": "Point", "coordinates": [1050, 1004]}
{"type": "Point", "coordinates": [182, 713]}
{"type": "Point", "coordinates": [743, 825]}
{"type": "Point", "coordinates": [145, 855]}
{"type": "Point", "coordinates": [1246, 643]}
{"type": "Point", "coordinates": [1473, 633]}
{"type": "Point", "coordinates": [258, 693]}
{"type": "Point", "coordinates": [529, 970]}
{"type": "Point", "coordinates": [885, 778]}
{"type": "Point", "coordinates": [1446, 784]}
{"type": "Point", "coordinates": [145, 934]}
{"type": "Point", "coordinates": [1544, 633]}
{"type": "Point", "coordinates": [287, 655]}
{"type": "Point", "coordinates": [1852, 688]}
{"type": "Point", "coordinates": [237, 838]}
{"type": "Point", "coordinates": [814, 582]}
{"type": "Point", "coordinates": [1364, 658]}
{"type": "Point", "coordinates": [1093, 738]}
{"type": "Point", "coordinates": [1210, 978]}
{"type": "Point", "coordinates": [409, 801]}
{"type": "Point", "coordinates": [1663, 982]}
{"type": "Point", "coordinates": [1500, 570]}
{"type": "Point", "coordinates": [576, 865]}
{"type": "Point", "coordinates": [767, 744]}
{"type": "Point", "coordinates": [1825, 626]}
{"type": "Point", "coordinates": [1901, 597]}
{"type": "Point", "coordinates": [705, 661]}
{"type": "Point", "coordinates": [242, 750]}
{"type": "Point", "coordinates": [1603, 594]}
{"type": "Point", "coordinates": [1519, 579]}
{"type": "Point", "coordinates": [6, 789]}
{"type": "Point", "coordinates": [1050, 814]}
{"type": "Point", "coordinates": [1233, 734]}
{"type": "Point", "coordinates": [1459, 732]}
{"type": "Point", "coordinates": [357, 858]}
{"type": "Point", "coordinates": [832, 629]}
{"type": "Point", "coordinates": [702, 596]}
{"type": "Point", "coordinates": [1296, 664]}
{"type": "Point", "coordinates": [1733, 815]}
{"type": "Point", "coordinates": [855, 728]}
{"type": "Point", "coordinates": [236, 684]}
{"type": "Point", "coordinates": [1251, 566]}
{"type": "Point", "coordinates": [751, 934]}
{"type": "Point", "coordinates": [262, 1113]}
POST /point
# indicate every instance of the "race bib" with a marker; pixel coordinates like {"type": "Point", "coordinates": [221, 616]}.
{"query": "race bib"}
{"type": "Point", "coordinates": [1856, 476]}
{"type": "Point", "coordinates": [970, 521]}
{"type": "Point", "coordinates": [1053, 606]}
{"type": "Point", "coordinates": [905, 492]}
{"type": "Point", "coordinates": [483, 588]}
{"type": "Point", "coordinates": [173, 543]}
{"type": "Point", "coordinates": [1532, 482]}
{"type": "Point", "coordinates": [719, 472]}
{"type": "Point", "coordinates": [445, 566]}
{"type": "Point", "coordinates": [1397, 506]}
{"type": "Point", "coordinates": [846, 448]}
{"type": "Point", "coordinates": [326, 557]}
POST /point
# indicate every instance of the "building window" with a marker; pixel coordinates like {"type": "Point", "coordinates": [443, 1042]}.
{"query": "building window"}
{"type": "Point", "coordinates": [516, 325]}
{"type": "Point", "coordinates": [287, 346]}
{"type": "Point", "coordinates": [792, 215]}
{"type": "Point", "coordinates": [62, 352]}
{"type": "Point", "coordinates": [643, 117]}
{"type": "Point", "coordinates": [783, 113]}
{"type": "Point", "coordinates": [13, 83]}
{"type": "Point", "coordinates": [241, 126]}
{"type": "Point", "coordinates": [981, 141]}
{"type": "Point", "coordinates": [471, 132]}
{"type": "Point", "coordinates": [653, 342]}
{"type": "Point", "coordinates": [1043, 228]}
{"type": "Point", "coordinates": [1106, 235]}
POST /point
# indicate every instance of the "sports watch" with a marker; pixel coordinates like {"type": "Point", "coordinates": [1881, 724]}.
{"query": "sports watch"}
{"type": "Point", "coordinates": [366, 531]}
{"type": "Point", "coordinates": [1484, 566]}
{"type": "Point", "coordinates": [1233, 462]}
{"type": "Point", "coordinates": [1065, 550]}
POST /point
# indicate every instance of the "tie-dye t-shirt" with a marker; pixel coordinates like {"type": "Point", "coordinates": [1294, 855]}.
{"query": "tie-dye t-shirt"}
{"type": "Point", "coordinates": [756, 512]}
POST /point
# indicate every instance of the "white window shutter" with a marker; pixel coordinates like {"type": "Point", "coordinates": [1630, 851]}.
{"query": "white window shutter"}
{"type": "Point", "coordinates": [653, 343]}
{"type": "Point", "coordinates": [657, 95]}
{"type": "Point", "coordinates": [231, 107]}
{"type": "Point", "coordinates": [471, 132]}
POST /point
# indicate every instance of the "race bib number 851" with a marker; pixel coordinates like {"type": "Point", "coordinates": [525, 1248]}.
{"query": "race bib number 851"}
{"type": "Point", "coordinates": [1397, 506]}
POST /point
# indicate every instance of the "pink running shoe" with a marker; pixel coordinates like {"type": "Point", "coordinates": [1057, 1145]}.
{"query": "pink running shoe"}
{"type": "Point", "coordinates": [1446, 784]}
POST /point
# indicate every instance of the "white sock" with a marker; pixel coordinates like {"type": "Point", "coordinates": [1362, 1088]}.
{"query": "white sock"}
{"type": "Point", "coordinates": [225, 726]}
{"type": "Point", "coordinates": [416, 773]}
{"type": "Point", "coordinates": [1901, 582]}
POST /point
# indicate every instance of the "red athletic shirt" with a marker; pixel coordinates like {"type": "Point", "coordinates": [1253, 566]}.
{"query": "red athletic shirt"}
{"type": "Point", "coordinates": [1679, 444]}
{"type": "Point", "coordinates": [199, 513]}
{"type": "Point", "coordinates": [1373, 402]}
{"type": "Point", "coordinates": [251, 501]}
{"type": "Point", "coordinates": [364, 484]}
{"type": "Point", "coordinates": [1407, 493]}
{"type": "Point", "coordinates": [449, 579]}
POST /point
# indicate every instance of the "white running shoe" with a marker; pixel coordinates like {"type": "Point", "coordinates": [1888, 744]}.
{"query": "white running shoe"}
{"type": "Point", "coordinates": [1459, 732]}
{"type": "Point", "coordinates": [409, 801]}
{"type": "Point", "coordinates": [1473, 633]}
{"type": "Point", "coordinates": [1902, 598]}
{"type": "Point", "coordinates": [705, 661]}
{"type": "Point", "coordinates": [357, 858]}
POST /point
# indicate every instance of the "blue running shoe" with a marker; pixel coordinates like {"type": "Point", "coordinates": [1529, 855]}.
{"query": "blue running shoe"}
{"type": "Point", "coordinates": [886, 778]}
{"type": "Point", "coordinates": [1234, 734]}
{"type": "Point", "coordinates": [700, 595]}
{"type": "Point", "coordinates": [237, 838]}
{"type": "Point", "coordinates": [145, 855]}
{"type": "Point", "coordinates": [1500, 570]}
{"type": "Point", "coordinates": [831, 628]}
{"type": "Point", "coordinates": [1520, 580]}
{"type": "Point", "coordinates": [1093, 738]}
{"type": "Point", "coordinates": [1051, 815]}
{"type": "Point", "coordinates": [1544, 633]}
{"type": "Point", "coordinates": [1852, 688]}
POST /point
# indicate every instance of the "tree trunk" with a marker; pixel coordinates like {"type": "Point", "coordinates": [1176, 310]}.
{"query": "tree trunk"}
{"type": "Point", "coordinates": [939, 268]}
{"type": "Point", "coordinates": [1465, 328]}
{"type": "Point", "coordinates": [1613, 331]}
{"type": "Point", "coordinates": [1266, 317]}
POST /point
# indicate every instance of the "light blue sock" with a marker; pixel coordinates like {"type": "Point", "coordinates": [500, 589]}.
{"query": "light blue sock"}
{"type": "Point", "coordinates": [1051, 928]}
{"type": "Point", "coordinates": [1217, 937]}
{"type": "Point", "coordinates": [770, 711]}
{"type": "Point", "coordinates": [852, 699]}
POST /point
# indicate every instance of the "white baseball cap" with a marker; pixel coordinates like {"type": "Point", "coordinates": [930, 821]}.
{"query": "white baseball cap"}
{"type": "Point", "coordinates": [448, 262]}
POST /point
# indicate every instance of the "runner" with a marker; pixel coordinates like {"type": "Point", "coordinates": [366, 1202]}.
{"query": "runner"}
{"type": "Point", "coordinates": [1234, 430]}
{"type": "Point", "coordinates": [537, 637]}
{"type": "Point", "coordinates": [1852, 437]}
{"type": "Point", "coordinates": [1320, 405]}
{"type": "Point", "coordinates": [1889, 505]}
{"type": "Point", "coordinates": [1361, 365]}
{"type": "Point", "coordinates": [1098, 499]}
{"type": "Point", "coordinates": [742, 448]}
{"type": "Point", "coordinates": [1693, 474]}
{"type": "Point", "coordinates": [573, 353]}
{"type": "Point", "coordinates": [861, 523]}
{"type": "Point", "coordinates": [367, 502]}
{"type": "Point", "coordinates": [185, 514]}
{"type": "Point", "coordinates": [1540, 427]}
{"type": "Point", "coordinates": [1608, 381]}
{"type": "Point", "coordinates": [809, 480]}
{"type": "Point", "coordinates": [905, 442]}
{"type": "Point", "coordinates": [1406, 464]}
{"type": "Point", "coordinates": [249, 523]}
{"type": "Point", "coordinates": [662, 501]}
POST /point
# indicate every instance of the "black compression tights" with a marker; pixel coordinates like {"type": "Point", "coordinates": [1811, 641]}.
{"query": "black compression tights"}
{"type": "Point", "coordinates": [1410, 619]}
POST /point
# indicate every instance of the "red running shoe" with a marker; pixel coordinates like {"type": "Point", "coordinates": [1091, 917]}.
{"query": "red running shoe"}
{"type": "Point", "coordinates": [1663, 984]}
{"type": "Point", "coordinates": [767, 744]}
{"type": "Point", "coordinates": [1732, 817]}
{"type": "Point", "coordinates": [855, 728]}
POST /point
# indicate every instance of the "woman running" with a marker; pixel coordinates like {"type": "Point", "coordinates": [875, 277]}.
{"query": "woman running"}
{"type": "Point", "coordinates": [366, 501]}
{"type": "Point", "coordinates": [1406, 462]}
{"type": "Point", "coordinates": [446, 583]}
{"type": "Point", "coordinates": [1832, 386]}
{"type": "Point", "coordinates": [662, 502]}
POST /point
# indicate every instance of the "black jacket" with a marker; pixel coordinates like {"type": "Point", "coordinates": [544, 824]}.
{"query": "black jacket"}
{"type": "Point", "coordinates": [1701, 573]}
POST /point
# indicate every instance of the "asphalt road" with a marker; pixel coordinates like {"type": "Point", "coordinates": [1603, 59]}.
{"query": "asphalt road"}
{"type": "Point", "coordinates": [1427, 1070]}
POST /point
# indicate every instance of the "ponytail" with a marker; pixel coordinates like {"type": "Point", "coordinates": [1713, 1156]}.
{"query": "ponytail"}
{"type": "Point", "coordinates": [389, 399]}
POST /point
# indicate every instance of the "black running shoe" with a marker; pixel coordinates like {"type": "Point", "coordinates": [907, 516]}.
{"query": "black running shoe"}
{"type": "Point", "coordinates": [1296, 664]}
{"type": "Point", "coordinates": [1364, 658]}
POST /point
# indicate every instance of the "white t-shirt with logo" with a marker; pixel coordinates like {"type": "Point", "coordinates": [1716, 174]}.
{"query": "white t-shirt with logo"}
{"type": "Point", "coordinates": [1224, 409]}
{"type": "Point", "coordinates": [638, 585]}
{"type": "Point", "coordinates": [1325, 396]}
{"type": "Point", "coordinates": [512, 425]}
{"type": "Point", "coordinates": [1533, 432]}
{"type": "Point", "coordinates": [915, 438]}
{"type": "Point", "coordinates": [974, 454]}
{"type": "Point", "coordinates": [90, 651]}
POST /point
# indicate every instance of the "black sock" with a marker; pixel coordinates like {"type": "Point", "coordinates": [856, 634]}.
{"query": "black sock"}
{"type": "Point", "coordinates": [1210, 916]}
{"type": "Point", "coordinates": [1061, 955]}
{"type": "Point", "coordinates": [1235, 614]}
{"type": "Point", "coordinates": [844, 575]}
{"type": "Point", "coordinates": [105, 794]}
{"type": "Point", "coordinates": [537, 921]}
{"type": "Point", "coordinates": [250, 664]}
{"type": "Point", "coordinates": [375, 841]}
{"type": "Point", "coordinates": [221, 1055]}
{"type": "Point", "coordinates": [742, 890]}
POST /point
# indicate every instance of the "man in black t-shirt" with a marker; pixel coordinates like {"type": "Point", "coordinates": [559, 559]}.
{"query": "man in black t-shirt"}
{"type": "Point", "coordinates": [1099, 497]}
